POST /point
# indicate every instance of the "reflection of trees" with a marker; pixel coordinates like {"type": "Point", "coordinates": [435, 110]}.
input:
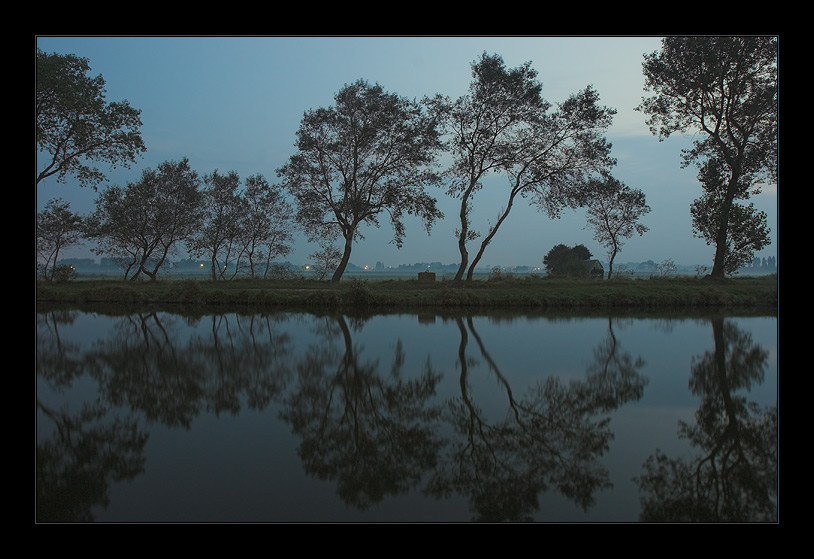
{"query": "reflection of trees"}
{"type": "Point", "coordinates": [372, 434]}
{"type": "Point", "coordinates": [149, 366]}
{"type": "Point", "coordinates": [734, 476]}
{"type": "Point", "coordinates": [88, 451]}
{"type": "Point", "coordinates": [550, 436]}
{"type": "Point", "coordinates": [56, 360]}
{"type": "Point", "coordinates": [146, 363]}
{"type": "Point", "coordinates": [613, 375]}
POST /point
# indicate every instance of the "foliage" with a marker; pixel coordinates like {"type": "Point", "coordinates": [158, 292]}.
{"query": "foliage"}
{"type": "Point", "coordinates": [747, 229]}
{"type": "Point", "coordinates": [504, 126]}
{"type": "Point", "coordinates": [75, 126]}
{"type": "Point", "coordinates": [614, 210]}
{"type": "Point", "coordinates": [368, 154]}
{"type": "Point", "coordinates": [242, 230]}
{"type": "Point", "coordinates": [143, 223]}
{"type": "Point", "coordinates": [63, 273]}
{"type": "Point", "coordinates": [725, 88]}
{"type": "Point", "coordinates": [57, 229]}
{"type": "Point", "coordinates": [268, 226]}
{"type": "Point", "coordinates": [219, 237]}
{"type": "Point", "coordinates": [566, 261]}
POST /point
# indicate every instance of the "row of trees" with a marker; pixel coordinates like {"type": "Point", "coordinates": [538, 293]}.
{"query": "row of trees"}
{"type": "Point", "coordinates": [239, 228]}
{"type": "Point", "coordinates": [374, 154]}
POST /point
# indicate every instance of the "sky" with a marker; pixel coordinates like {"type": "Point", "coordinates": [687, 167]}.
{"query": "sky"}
{"type": "Point", "coordinates": [235, 103]}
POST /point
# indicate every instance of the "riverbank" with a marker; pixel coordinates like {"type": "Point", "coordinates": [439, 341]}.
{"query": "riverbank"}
{"type": "Point", "coordinates": [530, 293]}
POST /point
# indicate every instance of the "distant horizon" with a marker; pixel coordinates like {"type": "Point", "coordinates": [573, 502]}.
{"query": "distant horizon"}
{"type": "Point", "coordinates": [372, 267]}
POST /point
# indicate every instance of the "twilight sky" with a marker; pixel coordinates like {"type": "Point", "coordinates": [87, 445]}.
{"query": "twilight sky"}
{"type": "Point", "coordinates": [235, 103]}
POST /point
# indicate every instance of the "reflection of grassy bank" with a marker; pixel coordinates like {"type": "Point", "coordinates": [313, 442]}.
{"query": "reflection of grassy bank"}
{"type": "Point", "coordinates": [530, 293]}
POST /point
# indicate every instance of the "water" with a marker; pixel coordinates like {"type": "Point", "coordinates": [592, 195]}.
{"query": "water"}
{"type": "Point", "coordinates": [295, 417]}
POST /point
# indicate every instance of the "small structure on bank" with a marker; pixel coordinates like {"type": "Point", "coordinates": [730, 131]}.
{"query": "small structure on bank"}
{"type": "Point", "coordinates": [595, 269]}
{"type": "Point", "coordinates": [426, 276]}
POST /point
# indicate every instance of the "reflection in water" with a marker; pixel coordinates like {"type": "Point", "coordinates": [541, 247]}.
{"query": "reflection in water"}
{"type": "Point", "coordinates": [372, 433]}
{"type": "Point", "coordinates": [551, 436]}
{"type": "Point", "coordinates": [733, 477]}
{"type": "Point", "coordinates": [379, 424]}
{"type": "Point", "coordinates": [89, 450]}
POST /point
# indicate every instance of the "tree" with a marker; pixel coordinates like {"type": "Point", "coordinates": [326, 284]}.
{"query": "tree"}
{"type": "Point", "coordinates": [220, 235]}
{"type": "Point", "coordinates": [369, 154]}
{"type": "Point", "coordinates": [747, 229]}
{"type": "Point", "coordinates": [268, 225]}
{"type": "Point", "coordinates": [504, 126]}
{"type": "Point", "coordinates": [614, 210]}
{"type": "Point", "coordinates": [142, 224]}
{"type": "Point", "coordinates": [57, 229]}
{"type": "Point", "coordinates": [725, 88]}
{"type": "Point", "coordinates": [566, 261]}
{"type": "Point", "coordinates": [75, 126]}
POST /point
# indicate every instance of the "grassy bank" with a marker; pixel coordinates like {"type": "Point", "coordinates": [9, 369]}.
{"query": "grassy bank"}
{"type": "Point", "coordinates": [538, 293]}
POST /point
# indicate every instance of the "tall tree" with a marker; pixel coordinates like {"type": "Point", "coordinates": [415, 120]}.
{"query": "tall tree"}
{"type": "Point", "coordinates": [142, 224]}
{"type": "Point", "coordinates": [724, 89]}
{"type": "Point", "coordinates": [504, 126]}
{"type": "Point", "coordinates": [747, 227]}
{"type": "Point", "coordinates": [370, 153]}
{"type": "Point", "coordinates": [614, 210]}
{"type": "Point", "coordinates": [57, 229]}
{"type": "Point", "coordinates": [484, 126]}
{"type": "Point", "coordinates": [75, 126]}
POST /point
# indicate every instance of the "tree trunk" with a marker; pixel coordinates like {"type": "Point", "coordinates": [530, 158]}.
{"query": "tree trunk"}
{"type": "Point", "coordinates": [721, 244]}
{"type": "Point", "coordinates": [462, 238]}
{"type": "Point", "coordinates": [345, 258]}
{"type": "Point", "coordinates": [610, 260]}
{"type": "Point", "coordinates": [490, 236]}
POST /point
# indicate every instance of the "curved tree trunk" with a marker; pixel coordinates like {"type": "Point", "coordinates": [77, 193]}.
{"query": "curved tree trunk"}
{"type": "Point", "coordinates": [464, 233]}
{"type": "Point", "coordinates": [721, 242]}
{"type": "Point", "coordinates": [490, 236]}
{"type": "Point", "coordinates": [340, 269]}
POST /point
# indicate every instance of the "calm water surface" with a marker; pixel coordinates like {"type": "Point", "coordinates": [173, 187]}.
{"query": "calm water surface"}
{"type": "Point", "coordinates": [294, 417]}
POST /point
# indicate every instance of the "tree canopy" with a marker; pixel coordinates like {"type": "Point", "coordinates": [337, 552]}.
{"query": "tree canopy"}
{"type": "Point", "coordinates": [725, 90]}
{"type": "Point", "coordinates": [504, 126]}
{"type": "Point", "coordinates": [563, 260]}
{"type": "Point", "coordinates": [370, 153]}
{"type": "Point", "coordinates": [75, 126]}
{"type": "Point", "coordinates": [57, 229]}
{"type": "Point", "coordinates": [614, 210]}
{"type": "Point", "coordinates": [142, 224]}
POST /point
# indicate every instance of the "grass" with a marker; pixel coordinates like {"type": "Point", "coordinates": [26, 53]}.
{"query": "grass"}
{"type": "Point", "coordinates": [530, 292]}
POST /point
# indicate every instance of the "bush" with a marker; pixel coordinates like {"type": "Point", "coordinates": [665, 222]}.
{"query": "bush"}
{"type": "Point", "coordinates": [359, 294]}
{"type": "Point", "coordinates": [64, 273]}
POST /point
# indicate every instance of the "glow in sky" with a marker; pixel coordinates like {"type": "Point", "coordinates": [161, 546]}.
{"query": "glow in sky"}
{"type": "Point", "coordinates": [235, 103]}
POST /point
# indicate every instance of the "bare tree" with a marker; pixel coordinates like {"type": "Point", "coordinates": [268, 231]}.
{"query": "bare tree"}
{"type": "Point", "coordinates": [614, 210]}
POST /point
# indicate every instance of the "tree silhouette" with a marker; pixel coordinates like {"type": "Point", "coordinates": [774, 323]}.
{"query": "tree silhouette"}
{"type": "Point", "coordinates": [733, 478]}
{"type": "Point", "coordinates": [374, 435]}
